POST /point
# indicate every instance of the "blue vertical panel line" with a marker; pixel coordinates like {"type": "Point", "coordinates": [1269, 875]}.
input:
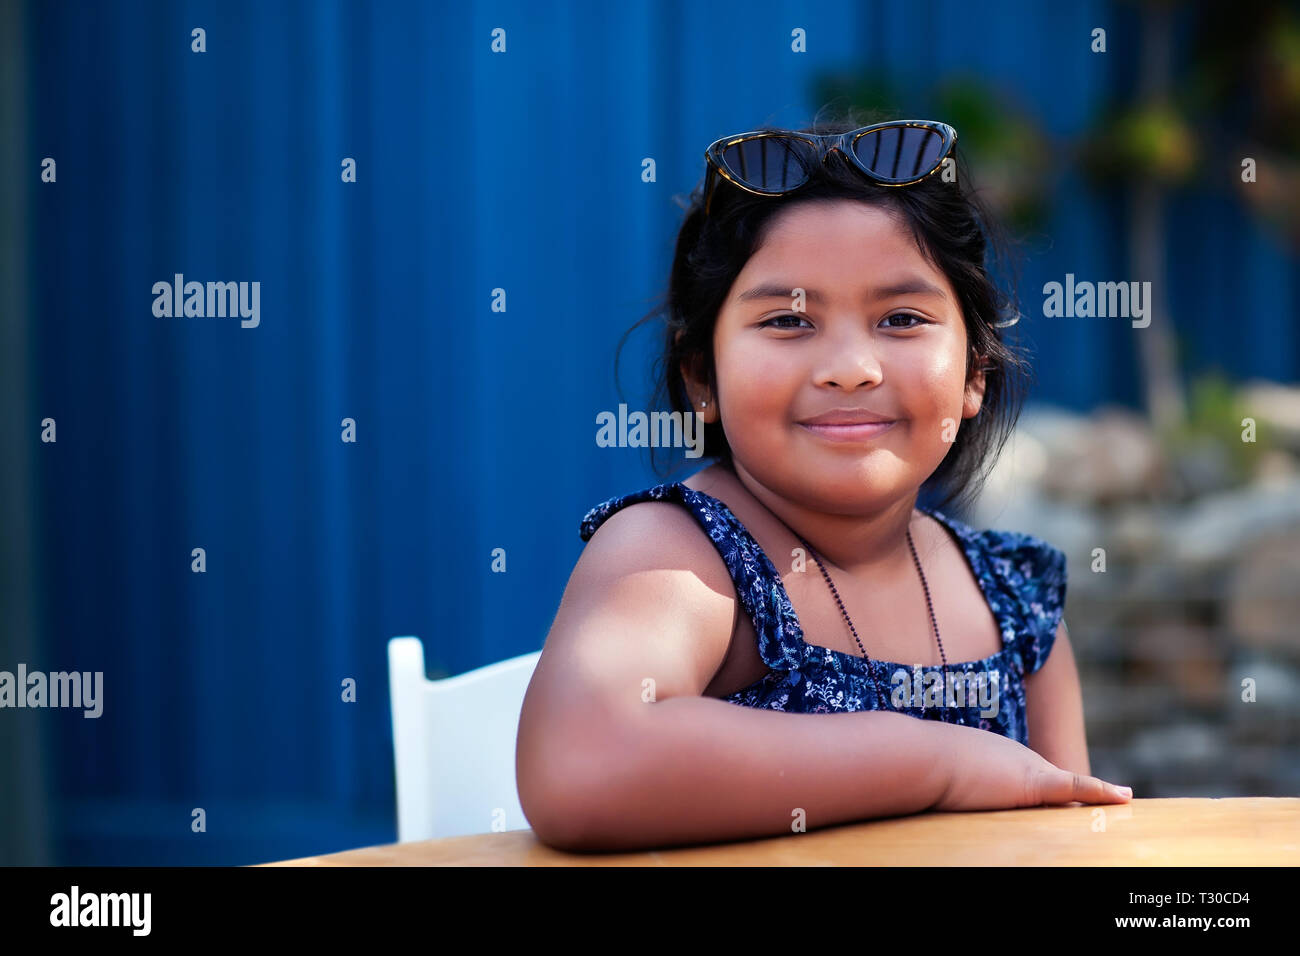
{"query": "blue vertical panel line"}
{"type": "Point", "coordinates": [429, 144]}
{"type": "Point", "coordinates": [578, 35]}
{"type": "Point", "coordinates": [229, 482]}
{"type": "Point", "coordinates": [50, 321]}
{"type": "Point", "coordinates": [100, 483]}
{"type": "Point", "coordinates": [423, 148]}
{"type": "Point", "coordinates": [579, 165]}
{"type": "Point", "coordinates": [1265, 274]}
{"type": "Point", "coordinates": [388, 108]}
{"type": "Point", "coordinates": [506, 115]}
{"type": "Point", "coordinates": [1230, 261]}
{"type": "Point", "coordinates": [468, 372]}
{"type": "Point", "coordinates": [352, 571]}
{"type": "Point", "coordinates": [403, 429]}
{"type": "Point", "coordinates": [171, 580]}
{"type": "Point", "coordinates": [710, 99]}
{"type": "Point", "coordinates": [151, 235]}
{"type": "Point", "coordinates": [370, 252]}
{"type": "Point", "coordinates": [317, 300]}
{"type": "Point", "coordinates": [24, 803]}
{"type": "Point", "coordinates": [1200, 252]}
{"type": "Point", "coordinates": [193, 170]}
{"type": "Point", "coordinates": [159, 46]}
{"type": "Point", "coordinates": [84, 489]}
{"type": "Point", "coordinates": [248, 419]}
{"type": "Point", "coordinates": [643, 217]}
{"type": "Point", "coordinates": [632, 54]}
{"type": "Point", "coordinates": [291, 292]}
{"type": "Point", "coordinates": [139, 444]}
{"type": "Point", "coordinates": [1073, 78]}
{"type": "Point", "coordinates": [198, 526]}
{"type": "Point", "coordinates": [273, 493]}
{"type": "Point", "coordinates": [331, 514]}
{"type": "Point", "coordinates": [1076, 359]}
{"type": "Point", "coordinates": [401, 434]}
{"type": "Point", "coordinates": [1213, 264]}
{"type": "Point", "coordinates": [1035, 326]}
{"type": "Point", "coordinates": [208, 405]}
{"type": "Point", "coordinates": [384, 167]}
{"type": "Point", "coordinates": [625, 63]}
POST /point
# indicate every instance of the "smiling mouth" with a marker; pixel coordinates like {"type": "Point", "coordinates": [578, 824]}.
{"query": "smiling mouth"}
{"type": "Point", "coordinates": [864, 431]}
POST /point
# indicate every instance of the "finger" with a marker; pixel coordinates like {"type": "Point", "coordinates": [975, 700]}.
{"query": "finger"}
{"type": "Point", "coordinates": [1063, 787]}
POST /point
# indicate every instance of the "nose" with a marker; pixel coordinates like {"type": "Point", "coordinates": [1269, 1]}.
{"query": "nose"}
{"type": "Point", "coordinates": [849, 361]}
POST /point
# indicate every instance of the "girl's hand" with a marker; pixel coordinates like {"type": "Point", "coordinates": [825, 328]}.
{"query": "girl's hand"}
{"type": "Point", "coordinates": [992, 772]}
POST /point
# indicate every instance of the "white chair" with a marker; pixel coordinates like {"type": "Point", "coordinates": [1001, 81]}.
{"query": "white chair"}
{"type": "Point", "coordinates": [454, 744]}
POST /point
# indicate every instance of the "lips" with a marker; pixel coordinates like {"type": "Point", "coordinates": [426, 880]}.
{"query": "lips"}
{"type": "Point", "coordinates": [861, 431]}
{"type": "Point", "coordinates": [847, 416]}
{"type": "Point", "coordinates": [848, 424]}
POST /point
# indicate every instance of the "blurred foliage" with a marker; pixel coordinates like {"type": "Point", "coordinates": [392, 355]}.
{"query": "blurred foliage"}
{"type": "Point", "coordinates": [1214, 421]}
{"type": "Point", "coordinates": [1244, 70]}
{"type": "Point", "coordinates": [1233, 94]}
{"type": "Point", "coordinates": [1139, 142]}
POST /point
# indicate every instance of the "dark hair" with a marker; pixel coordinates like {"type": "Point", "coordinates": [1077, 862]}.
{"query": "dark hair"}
{"type": "Point", "coordinates": [952, 229]}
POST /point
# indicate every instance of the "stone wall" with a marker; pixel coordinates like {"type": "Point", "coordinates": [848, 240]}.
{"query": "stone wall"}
{"type": "Point", "coordinates": [1198, 603]}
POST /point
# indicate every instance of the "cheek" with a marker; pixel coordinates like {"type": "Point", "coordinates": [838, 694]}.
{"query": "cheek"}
{"type": "Point", "coordinates": [757, 379]}
{"type": "Point", "coordinates": [938, 382]}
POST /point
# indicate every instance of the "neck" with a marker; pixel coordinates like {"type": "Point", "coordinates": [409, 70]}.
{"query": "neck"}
{"type": "Point", "coordinates": [872, 543]}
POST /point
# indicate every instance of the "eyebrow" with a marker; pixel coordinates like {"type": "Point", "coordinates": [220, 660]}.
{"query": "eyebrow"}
{"type": "Point", "coordinates": [910, 286]}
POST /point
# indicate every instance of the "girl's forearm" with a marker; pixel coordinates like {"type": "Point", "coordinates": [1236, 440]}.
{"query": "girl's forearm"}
{"type": "Point", "coordinates": [699, 769]}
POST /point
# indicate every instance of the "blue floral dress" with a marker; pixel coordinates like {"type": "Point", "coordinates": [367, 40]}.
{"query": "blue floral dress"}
{"type": "Point", "coordinates": [1021, 576]}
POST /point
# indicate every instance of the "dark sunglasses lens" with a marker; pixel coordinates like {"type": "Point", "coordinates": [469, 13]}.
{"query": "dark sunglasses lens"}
{"type": "Point", "coordinates": [900, 152]}
{"type": "Point", "coordinates": [769, 162]}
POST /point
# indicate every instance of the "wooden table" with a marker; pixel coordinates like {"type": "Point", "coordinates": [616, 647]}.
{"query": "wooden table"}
{"type": "Point", "coordinates": [1248, 831]}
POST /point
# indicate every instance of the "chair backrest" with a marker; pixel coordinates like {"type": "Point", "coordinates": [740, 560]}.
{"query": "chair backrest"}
{"type": "Point", "coordinates": [454, 744]}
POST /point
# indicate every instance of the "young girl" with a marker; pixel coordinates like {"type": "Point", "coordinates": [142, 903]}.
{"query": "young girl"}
{"type": "Point", "coordinates": [831, 318]}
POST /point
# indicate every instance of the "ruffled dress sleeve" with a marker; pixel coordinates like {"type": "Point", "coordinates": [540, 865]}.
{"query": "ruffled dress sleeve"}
{"type": "Point", "coordinates": [1035, 574]}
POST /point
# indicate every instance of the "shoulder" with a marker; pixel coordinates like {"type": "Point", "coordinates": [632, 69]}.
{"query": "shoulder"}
{"type": "Point", "coordinates": [650, 575]}
{"type": "Point", "coordinates": [1020, 558]}
{"type": "Point", "coordinates": [659, 527]}
{"type": "Point", "coordinates": [1026, 561]}
{"type": "Point", "coordinates": [597, 516]}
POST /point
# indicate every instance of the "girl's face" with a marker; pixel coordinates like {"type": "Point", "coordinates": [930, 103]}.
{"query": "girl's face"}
{"type": "Point", "coordinates": [880, 332]}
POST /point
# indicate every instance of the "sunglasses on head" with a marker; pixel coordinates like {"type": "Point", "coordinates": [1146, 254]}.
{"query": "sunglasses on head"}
{"type": "Point", "coordinates": [897, 153]}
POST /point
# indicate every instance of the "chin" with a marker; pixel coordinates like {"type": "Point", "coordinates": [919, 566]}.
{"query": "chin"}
{"type": "Point", "coordinates": [857, 489]}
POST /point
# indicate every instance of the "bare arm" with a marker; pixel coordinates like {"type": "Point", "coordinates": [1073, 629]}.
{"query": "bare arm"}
{"type": "Point", "coordinates": [698, 769]}
{"type": "Point", "coordinates": [1054, 706]}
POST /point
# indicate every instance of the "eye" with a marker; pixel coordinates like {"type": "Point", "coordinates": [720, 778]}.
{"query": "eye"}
{"type": "Point", "coordinates": [781, 318]}
{"type": "Point", "coordinates": [778, 321]}
{"type": "Point", "coordinates": [906, 315]}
